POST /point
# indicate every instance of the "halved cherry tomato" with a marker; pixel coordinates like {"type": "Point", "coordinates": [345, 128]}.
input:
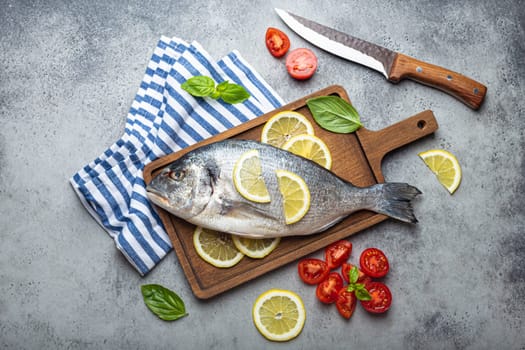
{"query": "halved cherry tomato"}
{"type": "Point", "coordinates": [337, 253]}
{"type": "Point", "coordinates": [327, 290]}
{"type": "Point", "coordinates": [374, 262]}
{"type": "Point", "coordinates": [277, 42]}
{"type": "Point", "coordinates": [313, 271]}
{"type": "Point", "coordinates": [301, 63]}
{"type": "Point", "coordinates": [345, 303]}
{"type": "Point", "coordinates": [345, 269]}
{"type": "Point", "coordinates": [381, 298]}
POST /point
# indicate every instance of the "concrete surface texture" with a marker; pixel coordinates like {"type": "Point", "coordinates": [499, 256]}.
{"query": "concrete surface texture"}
{"type": "Point", "coordinates": [68, 73]}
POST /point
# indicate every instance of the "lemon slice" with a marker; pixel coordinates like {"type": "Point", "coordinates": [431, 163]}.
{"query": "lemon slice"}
{"type": "Point", "coordinates": [216, 248]}
{"type": "Point", "coordinates": [283, 126]}
{"type": "Point", "coordinates": [296, 195]}
{"type": "Point", "coordinates": [255, 248]}
{"type": "Point", "coordinates": [279, 315]}
{"type": "Point", "coordinates": [446, 167]}
{"type": "Point", "coordinates": [310, 147]}
{"type": "Point", "coordinates": [247, 177]}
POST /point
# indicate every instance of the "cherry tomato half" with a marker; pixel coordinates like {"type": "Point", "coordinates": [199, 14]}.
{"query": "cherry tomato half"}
{"type": "Point", "coordinates": [301, 63]}
{"type": "Point", "coordinates": [374, 262]}
{"type": "Point", "coordinates": [327, 290]}
{"type": "Point", "coordinates": [277, 42]}
{"type": "Point", "coordinates": [313, 271]}
{"type": "Point", "coordinates": [346, 302]}
{"type": "Point", "coordinates": [381, 298]}
{"type": "Point", "coordinates": [362, 278]}
{"type": "Point", "coordinates": [337, 253]}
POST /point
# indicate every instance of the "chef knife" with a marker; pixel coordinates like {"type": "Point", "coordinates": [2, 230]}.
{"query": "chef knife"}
{"type": "Point", "coordinates": [395, 66]}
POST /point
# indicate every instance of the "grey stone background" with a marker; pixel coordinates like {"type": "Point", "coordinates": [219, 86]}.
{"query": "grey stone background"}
{"type": "Point", "coordinates": [68, 73]}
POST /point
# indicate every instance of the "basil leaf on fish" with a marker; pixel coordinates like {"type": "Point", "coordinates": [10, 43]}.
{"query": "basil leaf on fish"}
{"type": "Point", "coordinates": [164, 303]}
{"type": "Point", "coordinates": [334, 114]}
{"type": "Point", "coordinates": [202, 86]}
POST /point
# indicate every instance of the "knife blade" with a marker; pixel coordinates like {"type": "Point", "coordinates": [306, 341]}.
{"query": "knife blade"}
{"type": "Point", "coordinates": [393, 65]}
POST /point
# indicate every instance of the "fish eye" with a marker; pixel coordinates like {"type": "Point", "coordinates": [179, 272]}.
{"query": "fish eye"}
{"type": "Point", "coordinates": [177, 175]}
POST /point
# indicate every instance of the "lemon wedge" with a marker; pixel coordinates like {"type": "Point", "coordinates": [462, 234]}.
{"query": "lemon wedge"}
{"type": "Point", "coordinates": [247, 177]}
{"type": "Point", "coordinates": [445, 166]}
{"type": "Point", "coordinates": [283, 126]}
{"type": "Point", "coordinates": [255, 248]}
{"type": "Point", "coordinates": [296, 195]}
{"type": "Point", "coordinates": [310, 147]}
{"type": "Point", "coordinates": [279, 315]}
{"type": "Point", "coordinates": [216, 248]}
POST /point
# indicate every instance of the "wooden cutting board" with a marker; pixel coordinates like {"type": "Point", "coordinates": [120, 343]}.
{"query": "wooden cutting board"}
{"type": "Point", "coordinates": [356, 157]}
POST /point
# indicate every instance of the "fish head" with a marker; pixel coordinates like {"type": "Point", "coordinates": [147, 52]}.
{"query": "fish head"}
{"type": "Point", "coordinates": [184, 187]}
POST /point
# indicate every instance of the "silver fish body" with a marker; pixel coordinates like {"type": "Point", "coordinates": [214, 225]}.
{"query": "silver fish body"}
{"type": "Point", "coordinates": [198, 187]}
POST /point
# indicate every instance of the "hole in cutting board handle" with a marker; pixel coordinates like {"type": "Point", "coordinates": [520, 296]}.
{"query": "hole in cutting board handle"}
{"type": "Point", "coordinates": [421, 124]}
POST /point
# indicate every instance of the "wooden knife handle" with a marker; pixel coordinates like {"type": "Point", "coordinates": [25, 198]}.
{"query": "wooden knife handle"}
{"type": "Point", "coordinates": [464, 89]}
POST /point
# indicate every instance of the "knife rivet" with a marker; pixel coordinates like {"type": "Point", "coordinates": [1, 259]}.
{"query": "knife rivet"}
{"type": "Point", "coordinates": [449, 77]}
{"type": "Point", "coordinates": [419, 69]}
{"type": "Point", "coordinates": [476, 91]}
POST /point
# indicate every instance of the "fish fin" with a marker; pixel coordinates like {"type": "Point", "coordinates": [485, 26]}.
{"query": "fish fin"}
{"type": "Point", "coordinates": [238, 209]}
{"type": "Point", "coordinates": [395, 201]}
{"type": "Point", "coordinates": [213, 171]}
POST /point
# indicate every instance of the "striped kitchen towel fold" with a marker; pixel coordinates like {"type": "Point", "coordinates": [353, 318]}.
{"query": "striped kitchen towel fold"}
{"type": "Point", "coordinates": [163, 119]}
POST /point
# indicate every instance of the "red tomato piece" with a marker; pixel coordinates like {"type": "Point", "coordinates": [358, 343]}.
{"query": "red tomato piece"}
{"type": "Point", "coordinates": [362, 278]}
{"type": "Point", "coordinates": [277, 42]}
{"type": "Point", "coordinates": [374, 262]}
{"type": "Point", "coordinates": [313, 271]}
{"type": "Point", "coordinates": [301, 63]}
{"type": "Point", "coordinates": [345, 303]}
{"type": "Point", "coordinates": [337, 253]}
{"type": "Point", "coordinates": [327, 290]}
{"type": "Point", "coordinates": [381, 298]}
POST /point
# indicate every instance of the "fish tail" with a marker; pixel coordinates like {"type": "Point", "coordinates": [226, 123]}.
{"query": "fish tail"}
{"type": "Point", "coordinates": [395, 200]}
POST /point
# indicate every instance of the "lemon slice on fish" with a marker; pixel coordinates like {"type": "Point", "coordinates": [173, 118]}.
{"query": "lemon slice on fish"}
{"type": "Point", "coordinates": [445, 166]}
{"type": "Point", "coordinates": [283, 126]}
{"type": "Point", "coordinates": [310, 147]}
{"type": "Point", "coordinates": [279, 315]}
{"type": "Point", "coordinates": [255, 248]}
{"type": "Point", "coordinates": [247, 177]}
{"type": "Point", "coordinates": [296, 195]}
{"type": "Point", "coordinates": [216, 248]}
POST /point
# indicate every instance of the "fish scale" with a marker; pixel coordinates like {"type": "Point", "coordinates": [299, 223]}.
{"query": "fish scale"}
{"type": "Point", "coordinates": [199, 188]}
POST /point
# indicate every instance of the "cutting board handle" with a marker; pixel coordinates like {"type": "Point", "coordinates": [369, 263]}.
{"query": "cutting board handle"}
{"type": "Point", "coordinates": [376, 144]}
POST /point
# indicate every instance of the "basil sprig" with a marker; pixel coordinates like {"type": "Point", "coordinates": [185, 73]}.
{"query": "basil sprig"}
{"type": "Point", "coordinates": [334, 114]}
{"type": "Point", "coordinates": [202, 86]}
{"type": "Point", "coordinates": [164, 303]}
{"type": "Point", "coordinates": [358, 288]}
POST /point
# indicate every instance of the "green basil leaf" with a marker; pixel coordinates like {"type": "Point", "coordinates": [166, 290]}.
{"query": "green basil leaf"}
{"type": "Point", "coordinates": [199, 85]}
{"type": "Point", "coordinates": [222, 86]}
{"type": "Point", "coordinates": [334, 114]}
{"type": "Point", "coordinates": [361, 293]}
{"type": "Point", "coordinates": [353, 274]}
{"type": "Point", "coordinates": [219, 90]}
{"type": "Point", "coordinates": [233, 93]}
{"type": "Point", "coordinates": [351, 287]}
{"type": "Point", "coordinates": [163, 302]}
{"type": "Point", "coordinates": [215, 94]}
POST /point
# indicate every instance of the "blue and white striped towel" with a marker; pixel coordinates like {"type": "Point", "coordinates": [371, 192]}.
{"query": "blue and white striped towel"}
{"type": "Point", "coordinates": [163, 119]}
